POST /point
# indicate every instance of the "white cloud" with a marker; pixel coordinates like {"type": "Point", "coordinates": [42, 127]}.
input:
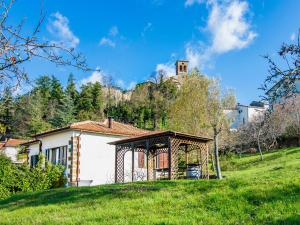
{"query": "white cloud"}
{"type": "Point", "coordinates": [197, 55]}
{"type": "Point", "coordinates": [124, 85]}
{"type": "Point", "coordinates": [132, 85]}
{"type": "Point", "coordinates": [110, 42]}
{"type": "Point", "coordinates": [228, 27]}
{"type": "Point", "coordinates": [114, 31]}
{"type": "Point", "coordinates": [96, 76]}
{"type": "Point", "coordinates": [107, 42]}
{"type": "Point", "coordinates": [293, 37]}
{"type": "Point", "coordinates": [168, 68]}
{"type": "Point", "coordinates": [192, 2]}
{"type": "Point", "coordinates": [58, 26]}
{"type": "Point", "coordinates": [120, 83]}
{"type": "Point", "coordinates": [147, 27]}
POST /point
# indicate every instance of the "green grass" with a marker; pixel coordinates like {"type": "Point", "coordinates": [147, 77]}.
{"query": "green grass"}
{"type": "Point", "coordinates": [253, 192]}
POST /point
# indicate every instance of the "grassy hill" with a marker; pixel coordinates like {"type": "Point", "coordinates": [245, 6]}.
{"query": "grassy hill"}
{"type": "Point", "coordinates": [253, 192]}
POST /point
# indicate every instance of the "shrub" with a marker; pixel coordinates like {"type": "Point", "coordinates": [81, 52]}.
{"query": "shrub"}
{"type": "Point", "coordinates": [15, 179]}
{"type": "Point", "coordinates": [4, 192]}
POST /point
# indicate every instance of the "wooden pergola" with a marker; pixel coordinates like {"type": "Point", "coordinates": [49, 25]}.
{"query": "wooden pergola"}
{"type": "Point", "coordinates": [176, 145]}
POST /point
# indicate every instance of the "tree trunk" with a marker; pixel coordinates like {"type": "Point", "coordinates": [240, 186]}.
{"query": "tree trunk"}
{"type": "Point", "coordinates": [212, 161]}
{"type": "Point", "coordinates": [258, 145]}
{"type": "Point", "coordinates": [216, 155]}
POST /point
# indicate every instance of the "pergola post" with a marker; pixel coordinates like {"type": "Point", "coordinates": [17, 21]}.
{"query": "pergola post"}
{"type": "Point", "coordinates": [169, 158]}
{"type": "Point", "coordinates": [147, 157]}
{"type": "Point", "coordinates": [119, 164]}
{"type": "Point", "coordinates": [132, 169]}
{"type": "Point", "coordinates": [186, 160]}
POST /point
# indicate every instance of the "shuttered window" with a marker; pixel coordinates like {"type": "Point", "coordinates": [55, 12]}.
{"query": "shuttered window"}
{"type": "Point", "coordinates": [34, 160]}
{"type": "Point", "coordinates": [162, 161]}
{"type": "Point", "coordinates": [57, 155]}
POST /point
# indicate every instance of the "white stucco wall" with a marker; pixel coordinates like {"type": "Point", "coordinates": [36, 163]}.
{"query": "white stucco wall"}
{"type": "Point", "coordinates": [97, 158]}
{"type": "Point", "coordinates": [33, 150]}
{"type": "Point", "coordinates": [244, 114]}
{"type": "Point", "coordinates": [254, 112]}
{"type": "Point", "coordinates": [12, 153]}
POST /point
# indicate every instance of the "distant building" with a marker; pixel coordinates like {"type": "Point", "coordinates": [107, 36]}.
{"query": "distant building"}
{"type": "Point", "coordinates": [181, 68]}
{"type": "Point", "coordinates": [11, 148]}
{"type": "Point", "coordinates": [243, 114]}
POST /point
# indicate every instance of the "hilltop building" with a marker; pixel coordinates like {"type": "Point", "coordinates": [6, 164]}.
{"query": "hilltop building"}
{"type": "Point", "coordinates": [181, 68]}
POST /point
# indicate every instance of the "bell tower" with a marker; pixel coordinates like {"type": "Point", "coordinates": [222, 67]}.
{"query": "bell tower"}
{"type": "Point", "coordinates": [181, 67]}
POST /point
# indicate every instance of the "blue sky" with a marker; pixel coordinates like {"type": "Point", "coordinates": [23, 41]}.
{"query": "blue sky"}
{"type": "Point", "coordinates": [131, 39]}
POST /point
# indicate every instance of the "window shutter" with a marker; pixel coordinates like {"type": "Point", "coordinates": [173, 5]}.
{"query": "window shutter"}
{"type": "Point", "coordinates": [165, 160]}
{"type": "Point", "coordinates": [141, 159]}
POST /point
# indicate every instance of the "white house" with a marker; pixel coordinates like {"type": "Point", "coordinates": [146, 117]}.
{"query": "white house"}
{"type": "Point", "coordinates": [11, 148]}
{"type": "Point", "coordinates": [83, 148]}
{"type": "Point", "coordinates": [243, 114]}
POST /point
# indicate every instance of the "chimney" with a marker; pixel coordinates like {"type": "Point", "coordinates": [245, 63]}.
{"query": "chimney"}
{"type": "Point", "coordinates": [110, 120]}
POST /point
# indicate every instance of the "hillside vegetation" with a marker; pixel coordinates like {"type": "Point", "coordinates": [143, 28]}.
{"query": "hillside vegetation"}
{"type": "Point", "coordinates": [254, 192]}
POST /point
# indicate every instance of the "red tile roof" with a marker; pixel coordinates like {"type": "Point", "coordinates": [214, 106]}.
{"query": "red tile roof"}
{"type": "Point", "coordinates": [11, 143]}
{"type": "Point", "coordinates": [101, 127]}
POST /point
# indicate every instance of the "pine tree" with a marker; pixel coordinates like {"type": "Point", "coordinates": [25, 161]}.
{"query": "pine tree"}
{"type": "Point", "coordinates": [97, 100]}
{"type": "Point", "coordinates": [85, 102]}
{"type": "Point", "coordinates": [56, 92]}
{"type": "Point", "coordinates": [71, 88]}
{"type": "Point", "coordinates": [6, 112]}
{"type": "Point", "coordinates": [64, 113]}
{"type": "Point", "coordinates": [36, 123]}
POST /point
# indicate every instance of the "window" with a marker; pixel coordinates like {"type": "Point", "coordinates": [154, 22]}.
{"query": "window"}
{"type": "Point", "coordinates": [162, 161]}
{"type": "Point", "coordinates": [62, 155]}
{"type": "Point", "coordinates": [57, 155]}
{"type": "Point", "coordinates": [34, 160]}
{"type": "Point", "coordinates": [184, 68]}
{"type": "Point", "coordinates": [53, 155]}
{"type": "Point", "coordinates": [180, 68]}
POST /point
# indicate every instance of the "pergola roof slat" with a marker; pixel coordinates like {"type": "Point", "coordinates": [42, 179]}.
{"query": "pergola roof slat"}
{"type": "Point", "coordinates": [160, 134]}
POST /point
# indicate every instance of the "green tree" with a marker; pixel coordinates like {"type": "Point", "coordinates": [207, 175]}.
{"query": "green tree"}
{"type": "Point", "coordinates": [97, 100]}
{"type": "Point", "coordinates": [71, 89]}
{"type": "Point", "coordinates": [187, 113]}
{"type": "Point", "coordinates": [6, 111]}
{"type": "Point", "coordinates": [37, 123]}
{"type": "Point", "coordinates": [22, 115]}
{"type": "Point", "coordinates": [56, 92]}
{"type": "Point", "coordinates": [64, 113]}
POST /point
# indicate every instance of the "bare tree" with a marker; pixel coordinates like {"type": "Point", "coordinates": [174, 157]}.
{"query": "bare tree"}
{"type": "Point", "coordinates": [284, 77]}
{"type": "Point", "coordinates": [216, 103]}
{"type": "Point", "coordinates": [18, 47]}
{"type": "Point", "coordinates": [255, 130]}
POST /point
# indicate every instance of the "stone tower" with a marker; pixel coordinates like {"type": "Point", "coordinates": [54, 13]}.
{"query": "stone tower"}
{"type": "Point", "coordinates": [181, 67]}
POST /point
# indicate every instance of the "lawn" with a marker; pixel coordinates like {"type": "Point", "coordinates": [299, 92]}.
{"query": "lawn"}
{"type": "Point", "coordinates": [253, 192]}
